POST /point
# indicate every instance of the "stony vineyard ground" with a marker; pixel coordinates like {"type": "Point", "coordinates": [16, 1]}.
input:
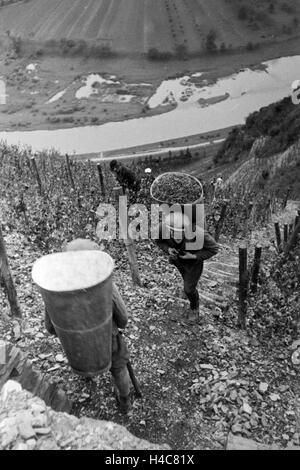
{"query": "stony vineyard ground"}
{"type": "Point", "coordinates": [199, 382]}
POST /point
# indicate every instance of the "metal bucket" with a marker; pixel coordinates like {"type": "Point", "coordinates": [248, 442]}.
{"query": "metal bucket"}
{"type": "Point", "coordinates": [76, 287]}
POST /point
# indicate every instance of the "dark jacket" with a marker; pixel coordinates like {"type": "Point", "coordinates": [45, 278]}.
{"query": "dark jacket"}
{"type": "Point", "coordinates": [119, 313]}
{"type": "Point", "coordinates": [210, 247]}
{"type": "Point", "coordinates": [127, 178]}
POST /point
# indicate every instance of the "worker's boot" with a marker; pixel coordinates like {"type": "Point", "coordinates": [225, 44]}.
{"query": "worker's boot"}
{"type": "Point", "coordinates": [181, 293]}
{"type": "Point", "coordinates": [194, 315]}
{"type": "Point", "coordinates": [122, 389]}
{"type": "Point", "coordinates": [125, 404]}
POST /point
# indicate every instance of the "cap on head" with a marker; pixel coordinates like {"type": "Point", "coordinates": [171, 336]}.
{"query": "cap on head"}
{"type": "Point", "coordinates": [81, 244]}
{"type": "Point", "coordinates": [177, 221]}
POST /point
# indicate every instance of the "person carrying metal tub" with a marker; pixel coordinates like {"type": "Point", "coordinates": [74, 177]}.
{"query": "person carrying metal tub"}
{"type": "Point", "coordinates": [120, 353]}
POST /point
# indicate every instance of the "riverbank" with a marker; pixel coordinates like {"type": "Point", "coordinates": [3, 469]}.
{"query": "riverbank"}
{"type": "Point", "coordinates": [247, 91]}
{"type": "Point", "coordinates": [31, 83]}
{"type": "Point", "coordinates": [192, 142]}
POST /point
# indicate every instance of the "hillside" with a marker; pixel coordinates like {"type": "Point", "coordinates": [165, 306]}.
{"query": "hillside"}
{"type": "Point", "coordinates": [279, 121]}
{"type": "Point", "coordinates": [136, 26]}
{"type": "Point", "coordinates": [202, 382]}
{"type": "Point", "coordinates": [199, 382]}
{"type": "Point", "coordinates": [268, 137]}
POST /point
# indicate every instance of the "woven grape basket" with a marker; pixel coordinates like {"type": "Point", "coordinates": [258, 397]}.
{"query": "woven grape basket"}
{"type": "Point", "coordinates": [188, 205]}
{"type": "Point", "coordinates": [163, 175]}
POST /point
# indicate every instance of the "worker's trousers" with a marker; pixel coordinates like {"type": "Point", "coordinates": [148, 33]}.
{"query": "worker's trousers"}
{"type": "Point", "coordinates": [190, 271]}
{"type": "Point", "coordinates": [119, 371]}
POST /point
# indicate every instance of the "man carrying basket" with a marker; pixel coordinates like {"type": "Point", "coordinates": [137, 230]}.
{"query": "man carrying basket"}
{"type": "Point", "coordinates": [188, 261]}
{"type": "Point", "coordinates": [183, 237]}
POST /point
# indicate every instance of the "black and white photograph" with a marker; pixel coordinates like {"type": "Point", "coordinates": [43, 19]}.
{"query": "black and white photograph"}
{"type": "Point", "coordinates": [150, 228]}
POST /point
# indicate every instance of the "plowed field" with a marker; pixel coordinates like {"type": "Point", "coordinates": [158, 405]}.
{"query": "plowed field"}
{"type": "Point", "coordinates": [137, 25]}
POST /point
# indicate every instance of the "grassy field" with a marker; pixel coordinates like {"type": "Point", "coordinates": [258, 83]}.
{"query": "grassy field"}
{"type": "Point", "coordinates": [135, 26]}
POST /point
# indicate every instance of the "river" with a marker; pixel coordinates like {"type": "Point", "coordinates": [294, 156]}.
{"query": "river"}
{"type": "Point", "coordinates": [222, 104]}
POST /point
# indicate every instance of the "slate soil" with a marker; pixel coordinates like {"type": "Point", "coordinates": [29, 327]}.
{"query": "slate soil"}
{"type": "Point", "coordinates": [199, 382]}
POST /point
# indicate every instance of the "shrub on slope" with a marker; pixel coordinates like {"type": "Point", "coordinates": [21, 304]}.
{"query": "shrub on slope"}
{"type": "Point", "coordinates": [280, 121]}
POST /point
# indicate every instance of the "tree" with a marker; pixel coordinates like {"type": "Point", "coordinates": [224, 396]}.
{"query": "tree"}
{"type": "Point", "coordinates": [243, 13]}
{"type": "Point", "coordinates": [211, 41]}
{"type": "Point", "coordinates": [223, 47]}
{"type": "Point", "coordinates": [155, 54]}
{"type": "Point", "coordinates": [17, 44]}
{"type": "Point", "coordinates": [181, 51]}
{"type": "Point", "coordinates": [7, 280]}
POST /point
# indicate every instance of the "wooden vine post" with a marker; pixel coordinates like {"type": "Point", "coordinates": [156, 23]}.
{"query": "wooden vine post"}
{"type": "Point", "coordinates": [70, 171]}
{"type": "Point", "coordinates": [243, 286]}
{"type": "Point", "coordinates": [293, 240]}
{"type": "Point", "coordinates": [221, 220]}
{"type": "Point", "coordinates": [37, 175]}
{"type": "Point", "coordinates": [123, 231]}
{"type": "Point", "coordinates": [285, 234]}
{"type": "Point", "coordinates": [250, 208]}
{"type": "Point", "coordinates": [5, 273]}
{"type": "Point", "coordinates": [278, 236]}
{"type": "Point", "coordinates": [101, 179]}
{"type": "Point", "coordinates": [286, 198]}
{"type": "Point", "coordinates": [23, 209]}
{"type": "Point", "coordinates": [28, 160]}
{"type": "Point", "coordinates": [256, 268]}
{"type": "Point", "coordinates": [70, 175]}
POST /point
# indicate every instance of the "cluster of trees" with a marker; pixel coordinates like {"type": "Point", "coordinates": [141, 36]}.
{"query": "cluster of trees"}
{"type": "Point", "coordinates": [210, 43]}
{"type": "Point", "coordinates": [81, 47]}
{"type": "Point", "coordinates": [210, 46]}
{"type": "Point", "coordinates": [254, 14]}
{"type": "Point", "coordinates": [181, 52]}
{"type": "Point", "coordinates": [257, 12]}
{"type": "Point", "coordinates": [67, 47]}
{"type": "Point", "coordinates": [155, 54]}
